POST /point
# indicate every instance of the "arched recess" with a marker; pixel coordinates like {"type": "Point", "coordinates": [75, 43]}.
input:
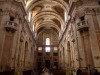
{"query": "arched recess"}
{"type": "Point", "coordinates": [59, 20]}
{"type": "Point", "coordinates": [63, 6]}
{"type": "Point", "coordinates": [25, 53]}
{"type": "Point", "coordinates": [48, 25]}
{"type": "Point", "coordinates": [47, 33]}
{"type": "Point", "coordinates": [55, 30]}
{"type": "Point", "coordinates": [37, 23]}
{"type": "Point", "coordinates": [36, 10]}
{"type": "Point", "coordinates": [42, 29]}
{"type": "Point", "coordinates": [49, 14]}
{"type": "Point", "coordinates": [64, 56]}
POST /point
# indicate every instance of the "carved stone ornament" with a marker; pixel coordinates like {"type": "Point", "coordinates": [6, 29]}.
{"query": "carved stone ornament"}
{"type": "Point", "coordinates": [80, 11]}
{"type": "Point", "coordinates": [92, 10]}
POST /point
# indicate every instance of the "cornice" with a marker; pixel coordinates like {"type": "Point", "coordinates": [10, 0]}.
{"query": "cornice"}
{"type": "Point", "coordinates": [92, 10]}
{"type": "Point", "coordinates": [74, 5]}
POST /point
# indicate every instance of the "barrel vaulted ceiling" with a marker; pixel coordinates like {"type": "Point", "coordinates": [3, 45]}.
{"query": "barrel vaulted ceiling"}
{"type": "Point", "coordinates": [47, 14]}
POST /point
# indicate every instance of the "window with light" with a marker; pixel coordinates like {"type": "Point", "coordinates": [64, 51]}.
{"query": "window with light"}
{"type": "Point", "coordinates": [47, 49]}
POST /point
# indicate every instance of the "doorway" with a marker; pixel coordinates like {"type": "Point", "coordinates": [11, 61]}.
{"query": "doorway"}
{"type": "Point", "coordinates": [47, 63]}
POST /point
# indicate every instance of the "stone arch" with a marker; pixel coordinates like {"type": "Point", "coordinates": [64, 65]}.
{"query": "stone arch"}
{"type": "Point", "coordinates": [62, 4]}
{"type": "Point", "coordinates": [37, 23]}
{"type": "Point", "coordinates": [64, 56]}
{"type": "Point", "coordinates": [39, 30]}
{"type": "Point", "coordinates": [52, 14]}
{"type": "Point", "coordinates": [57, 22]}
{"type": "Point", "coordinates": [49, 24]}
{"type": "Point", "coordinates": [48, 33]}
{"type": "Point", "coordinates": [36, 10]}
{"type": "Point", "coordinates": [42, 28]}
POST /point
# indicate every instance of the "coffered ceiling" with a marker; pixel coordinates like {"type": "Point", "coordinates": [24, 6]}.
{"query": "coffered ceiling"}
{"type": "Point", "coordinates": [47, 14]}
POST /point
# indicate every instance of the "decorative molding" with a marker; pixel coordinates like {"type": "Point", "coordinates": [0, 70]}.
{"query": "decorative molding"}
{"type": "Point", "coordinates": [81, 11]}
{"type": "Point", "coordinates": [92, 10]}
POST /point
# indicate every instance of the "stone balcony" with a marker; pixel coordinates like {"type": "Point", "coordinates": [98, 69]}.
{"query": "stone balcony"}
{"type": "Point", "coordinates": [11, 26]}
{"type": "Point", "coordinates": [82, 26]}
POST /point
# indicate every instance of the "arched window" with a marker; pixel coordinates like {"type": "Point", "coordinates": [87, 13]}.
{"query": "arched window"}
{"type": "Point", "coordinates": [33, 27]}
{"type": "Point", "coordinates": [47, 48]}
{"type": "Point", "coordinates": [47, 41]}
{"type": "Point", "coordinates": [65, 16]}
{"type": "Point", "coordinates": [29, 16]}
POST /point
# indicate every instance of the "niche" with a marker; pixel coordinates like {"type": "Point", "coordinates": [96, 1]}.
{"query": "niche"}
{"type": "Point", "coordinates": [82, 18]}
{"type": "Point", "coordinates": [11, 18]}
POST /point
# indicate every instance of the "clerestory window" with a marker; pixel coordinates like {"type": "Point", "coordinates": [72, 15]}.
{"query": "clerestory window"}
{"type": "Point", "coordinates": [47, 48]}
